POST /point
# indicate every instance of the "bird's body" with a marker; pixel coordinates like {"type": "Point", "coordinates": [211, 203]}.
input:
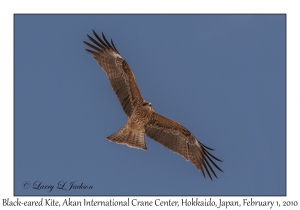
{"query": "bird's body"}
{"type": "Point", "coordinates": [142, 119]}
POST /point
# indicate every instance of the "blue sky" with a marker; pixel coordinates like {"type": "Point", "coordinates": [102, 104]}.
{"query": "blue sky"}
{"type": "Point", "coordinates": [223, 77]}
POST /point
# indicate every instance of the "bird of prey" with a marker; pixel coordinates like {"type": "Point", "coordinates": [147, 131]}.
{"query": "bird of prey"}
{"type": "Point", "coordinates": [142, 119]}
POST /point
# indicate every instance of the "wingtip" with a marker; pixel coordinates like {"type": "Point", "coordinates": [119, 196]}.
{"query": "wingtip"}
{"type": "Point", "coordinates": [91, 51]}
{"type": "Point", "coordinates": [94, 32]}
{"type": "Point", "coordinates": [103, 36]}
{"type": "Point", "coordinates": [114, 46]}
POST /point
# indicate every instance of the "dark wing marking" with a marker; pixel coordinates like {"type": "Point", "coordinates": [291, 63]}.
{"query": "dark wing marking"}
{"type": "Point", "coordinates": [119, 74]}
{"type": "Point", "coordinates": [178, 139]}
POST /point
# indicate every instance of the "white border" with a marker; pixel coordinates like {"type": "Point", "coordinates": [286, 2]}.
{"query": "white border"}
{"type": "Point", "coordinates": [8, 8]}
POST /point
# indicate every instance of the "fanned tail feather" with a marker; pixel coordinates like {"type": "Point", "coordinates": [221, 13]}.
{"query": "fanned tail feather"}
{"type": "Point", "coordinates": [134, 140]}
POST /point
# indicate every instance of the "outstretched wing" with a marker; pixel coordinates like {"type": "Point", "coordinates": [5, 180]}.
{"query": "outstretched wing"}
{"type": "Point", "coordinates": [119, 74]}
{"type": "Point", "coordinates": [178, 139]}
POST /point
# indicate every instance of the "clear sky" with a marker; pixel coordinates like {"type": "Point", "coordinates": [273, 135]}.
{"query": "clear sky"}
{"type": "Point", "coordinates": [223, 77]}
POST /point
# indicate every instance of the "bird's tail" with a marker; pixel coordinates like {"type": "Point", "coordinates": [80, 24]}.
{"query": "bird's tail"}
{"type": "Point", "coordinates": [134, 140]}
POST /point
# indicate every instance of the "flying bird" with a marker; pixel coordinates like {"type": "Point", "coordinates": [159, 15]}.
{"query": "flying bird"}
{"type": "Point", "coordinates": [142, 119]}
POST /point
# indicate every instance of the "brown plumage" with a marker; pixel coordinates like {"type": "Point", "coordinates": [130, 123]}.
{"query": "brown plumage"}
{"type": "Point", "coordinates": [142, 118]}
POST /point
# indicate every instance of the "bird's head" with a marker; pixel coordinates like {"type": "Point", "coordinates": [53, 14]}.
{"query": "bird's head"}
{"type": "Point", "coordinates": [147, 105]}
